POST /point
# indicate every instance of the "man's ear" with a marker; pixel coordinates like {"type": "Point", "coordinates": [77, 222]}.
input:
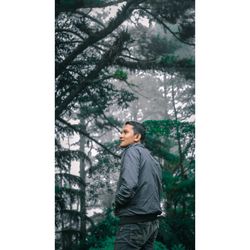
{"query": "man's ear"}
{"type": "Point", "coordinates": [137, 137]}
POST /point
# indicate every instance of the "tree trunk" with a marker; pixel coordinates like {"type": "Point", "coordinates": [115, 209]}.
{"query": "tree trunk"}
{"type": "Point", "coordinates": [177, 133]}
{"type": "Point", "coordinates": [83, 197]}
{"type": "Point", "coordinates": [183, 176]}
{"type": "Point", "coordinates": [166, 116]}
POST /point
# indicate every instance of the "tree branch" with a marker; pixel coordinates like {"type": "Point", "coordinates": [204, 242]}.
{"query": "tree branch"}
{"type": "Point", "coordinates": [101, 110]}
{"type": "Point", "coordinates": [66, 5]}
{"type": "Point", "coordinates": [84, 133]}
{"type": "Point", "coordinates": [153, 64]}
{"type": "Point", "coordinates": [102, 4]}
{"type": "Point", "coordinates": [68, 42]}
{"type": "Point", "coordinates": [106, 60]}
{"type": "Point", "coordinates": [166, 27]}
{"type": "Point", "coordinates": [90, 17]}
{"type": "Point", "coordinates": [114, 23]}
{"type": "Point", "coordinates": [69, 31]}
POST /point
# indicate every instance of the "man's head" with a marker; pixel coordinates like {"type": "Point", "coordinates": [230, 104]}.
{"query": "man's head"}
{"type": "Point", "coordinates": [132, 132]}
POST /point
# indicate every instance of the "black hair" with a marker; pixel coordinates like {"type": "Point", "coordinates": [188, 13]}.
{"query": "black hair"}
{"type": "Point", "coordinates": [138, 128]}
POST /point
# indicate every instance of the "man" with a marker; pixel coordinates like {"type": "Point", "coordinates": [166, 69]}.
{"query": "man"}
{"type": "Point", "coordinates": [137, 199]}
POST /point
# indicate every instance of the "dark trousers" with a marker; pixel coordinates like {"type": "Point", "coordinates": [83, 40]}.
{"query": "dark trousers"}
{"type": "Point", "coordinates": [139, 236]}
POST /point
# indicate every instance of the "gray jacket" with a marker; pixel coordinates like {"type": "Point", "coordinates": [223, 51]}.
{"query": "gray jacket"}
{"type": "Point", "coordinates": [139, 185]}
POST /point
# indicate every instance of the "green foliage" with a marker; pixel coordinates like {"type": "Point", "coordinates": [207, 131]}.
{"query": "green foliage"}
{"type": "Point", "coordinates": [177, 229]}
{"type": "Point", "coordinates": [121, 75]}
{"type": "Point", "coordinates": [159, 246]}
{"type": "Point", "coordinates": [164, 137]}
{"type": "Point", "coordinates": [161, 136]}
{"type": "Point", "coordinates": [107, 244]}
{"type": "Point", "coordinates": [101, 234]}
{"type": "Point", "coordinates": [167, 127]}
{"type": "Point", "coordinates": [168, 60]}
{"type": "Point", "coordinates": [178, 247]}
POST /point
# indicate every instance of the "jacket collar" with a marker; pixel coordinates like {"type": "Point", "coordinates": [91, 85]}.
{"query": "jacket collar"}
{"type": "Point", "coordinates": [134, 145]}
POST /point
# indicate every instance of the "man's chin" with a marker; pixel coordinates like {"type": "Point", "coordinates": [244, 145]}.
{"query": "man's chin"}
{"type": "Point", "coordinates": [123, 145]}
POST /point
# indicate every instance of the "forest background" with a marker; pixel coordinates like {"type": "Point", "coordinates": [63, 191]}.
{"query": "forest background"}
{"type": "Point", "coordinates": [117, 61]}
{"type": "Point", "coordinates": [29, 200]}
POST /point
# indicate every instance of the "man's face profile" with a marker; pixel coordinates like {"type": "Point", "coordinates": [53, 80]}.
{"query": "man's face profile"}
{"type": "Point", "coordinates": [128, 136]}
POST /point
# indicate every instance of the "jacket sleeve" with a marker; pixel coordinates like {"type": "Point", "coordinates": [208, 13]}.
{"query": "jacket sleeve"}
{"type": "Point", "coordinates": [128, 177]}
